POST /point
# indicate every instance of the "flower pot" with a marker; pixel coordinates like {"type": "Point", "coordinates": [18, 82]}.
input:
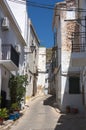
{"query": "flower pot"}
{"type": "Point", "coordinates": [67, 109]}
{"type": "Point", "coordinates": [1, 121]}
{"type": "Point", "coordinates": [75, 110]}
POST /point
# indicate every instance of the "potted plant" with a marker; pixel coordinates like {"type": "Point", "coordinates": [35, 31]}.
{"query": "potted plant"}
{"type": "Point", "coordinates": [14, 111]}
{"type": "Point", "coordinates": [17, 85]}
{"type": "Point", "coordinates": [75, 110]}
{"type": "Point", "coordinates": [15, 107]}
{"type": "Point", "coordinates": [3, 114]}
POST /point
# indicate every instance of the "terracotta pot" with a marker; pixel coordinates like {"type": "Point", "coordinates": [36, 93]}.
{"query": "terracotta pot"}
{"type": "Point", "coordinates": [1, 121]}
{"type": "Point", "coordinates": [75, 110]}
{"type": "Point", "coordinates": [68, 109]}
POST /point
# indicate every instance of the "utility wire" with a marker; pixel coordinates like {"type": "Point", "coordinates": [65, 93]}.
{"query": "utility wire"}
{"type": "Point", "coordinates": [33, 3]}
{"type": "Point", "coordinates": [40, 4]}
{"type": "Point", "coordinates": [47, 6]}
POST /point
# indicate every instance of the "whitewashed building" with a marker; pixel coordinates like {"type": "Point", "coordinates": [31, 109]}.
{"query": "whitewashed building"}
{"type": "Point", "coordinates": [11, 49]}
{"type": "Point", "coordinates": [69, 57]}
{"type": "Point", "coordinates": [19, 9]}
{"type": "Point", "coordinates": [41, 70]}
{"type": "Point", "coordinates": [46, 88]}
{"type": "Point", "coordinates": [81, 55]}
{"type": "Point", "coordinates": [20, 14]}
{"type": "Point", "coordinates": [32, 52]}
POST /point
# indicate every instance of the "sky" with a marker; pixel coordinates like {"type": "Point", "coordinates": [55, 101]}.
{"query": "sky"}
{"type": "Point", "coordinates": [42, 21]}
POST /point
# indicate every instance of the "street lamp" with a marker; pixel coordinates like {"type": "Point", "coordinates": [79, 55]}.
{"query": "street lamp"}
{"type": "Point", "coordinates": [32, 47]}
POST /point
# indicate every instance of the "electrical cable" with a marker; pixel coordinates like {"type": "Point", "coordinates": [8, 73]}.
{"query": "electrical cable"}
{"type": "Point", "coordinates": [35, 4]}
{"type": "Point", "coordinates": [46, 6]}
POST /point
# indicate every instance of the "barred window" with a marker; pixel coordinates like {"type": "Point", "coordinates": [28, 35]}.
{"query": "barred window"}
{"type": "Point", "coordinates": [74, 85]}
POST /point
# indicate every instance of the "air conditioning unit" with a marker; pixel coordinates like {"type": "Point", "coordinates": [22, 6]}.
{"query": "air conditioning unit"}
{"type": "Point", "coordinates": [18, 48]}
{"type": "Point", "coordinates": [5, 23]}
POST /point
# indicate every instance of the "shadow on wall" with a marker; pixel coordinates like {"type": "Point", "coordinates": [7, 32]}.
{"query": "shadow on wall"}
{"type": "Point", "coordinates": [3, 99]}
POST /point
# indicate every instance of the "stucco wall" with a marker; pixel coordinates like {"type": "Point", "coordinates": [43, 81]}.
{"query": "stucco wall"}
{"type": "Point", "coordinates": [20, 12]}
{"type": "Point", "coordinates": [41, 68]}
{"type": "Point", "coordinates": [8, 37]}
{"type": "Point", "coordinates": [65, 43]}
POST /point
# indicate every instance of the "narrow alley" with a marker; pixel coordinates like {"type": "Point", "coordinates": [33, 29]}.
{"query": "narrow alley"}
{"type": "Point", "coordinates": [40, 115]}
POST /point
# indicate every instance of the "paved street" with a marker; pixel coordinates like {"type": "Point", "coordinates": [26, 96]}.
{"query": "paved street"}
{"type": "Point", "coordinates": [42, 116]}
{"type": "Point", "coordinates": [38, 117]}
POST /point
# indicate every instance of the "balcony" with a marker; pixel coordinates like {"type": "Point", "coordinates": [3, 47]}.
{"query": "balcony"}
{"type": "Point", "coordinates": [78, 54]}
{"type": "Point", "coordinates": [10, 57]}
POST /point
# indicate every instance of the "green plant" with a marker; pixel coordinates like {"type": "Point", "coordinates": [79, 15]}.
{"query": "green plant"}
{"type": "Point", "coordinates": [0, 100]}
{"type": "Point", "coordinates": [3, 113]}
{"type": "Point", "coordinates": [17, 86]}
{"type": "Point", "coordinates": [15, 106]}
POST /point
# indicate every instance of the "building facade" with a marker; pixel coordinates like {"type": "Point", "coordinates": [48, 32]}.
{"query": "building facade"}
{"type": "Point", "coordinates": [82, 52]}
{"type": "Point", "coordinates": [18, 38]}
{"type": "Point", "coordinates": [69, 55]}
{"type": "Point", "coordinates": [41, 70]}
{"type": "Point", "coordinates": [32, 60]}
{"type": "Point", "coordinates": [11, 50]}
{"type": "Point", "coordinates": [19, 10]}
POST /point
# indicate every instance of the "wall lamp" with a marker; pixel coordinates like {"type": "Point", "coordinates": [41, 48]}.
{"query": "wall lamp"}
{"type": "Point", "coordinates": [32, 47]}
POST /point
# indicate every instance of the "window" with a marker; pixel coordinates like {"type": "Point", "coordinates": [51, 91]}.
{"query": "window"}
{"type": "Point", "coordinates": [70, 15]}
{"type": "Point", "coordinates": [74, 85]}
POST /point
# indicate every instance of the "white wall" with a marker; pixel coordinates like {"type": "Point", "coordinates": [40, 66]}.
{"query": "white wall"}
{"type": "Point", "coordinates": [42, 59]}
{"type": "Point", "coordinates": [20, 12]}
{"type": "Point", "coordinates": [64, 54]}
{"type": "Point", "coordinates": [82, 5]}
{"type": "Point", "coordinates": [41, 67]}
{"type": "Point", "coordinates": [8, 37]}
{"type": "Point", "coordinates": [32, 60]}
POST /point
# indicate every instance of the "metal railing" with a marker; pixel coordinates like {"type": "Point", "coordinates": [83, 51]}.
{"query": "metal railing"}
{"type": "Point", "coordinates": [78, 42]}
{"type": "Point", "coordinates": [78, 47]}
{"type": "Point", "coordinates": [9, 53]}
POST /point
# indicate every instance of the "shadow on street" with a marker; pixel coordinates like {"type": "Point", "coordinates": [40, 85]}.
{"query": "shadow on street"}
{"type": "Point", "coordinates": [71, 122]}
{"type": "Point", "coordinates": [67, 121]}
{"type": "Point", "coordinates": [50, 100]}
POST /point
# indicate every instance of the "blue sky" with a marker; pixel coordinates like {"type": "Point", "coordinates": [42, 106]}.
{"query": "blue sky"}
{"type": "Point", "coordinates": [42, 22]}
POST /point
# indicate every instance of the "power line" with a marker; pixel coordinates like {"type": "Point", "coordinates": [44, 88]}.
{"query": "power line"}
{"type": "Point", "coordinates": [40, 4]}
{"type": "Point", "coordinates": [47, 6]}
{"type": "Point", "coordinates": [33, 4]}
